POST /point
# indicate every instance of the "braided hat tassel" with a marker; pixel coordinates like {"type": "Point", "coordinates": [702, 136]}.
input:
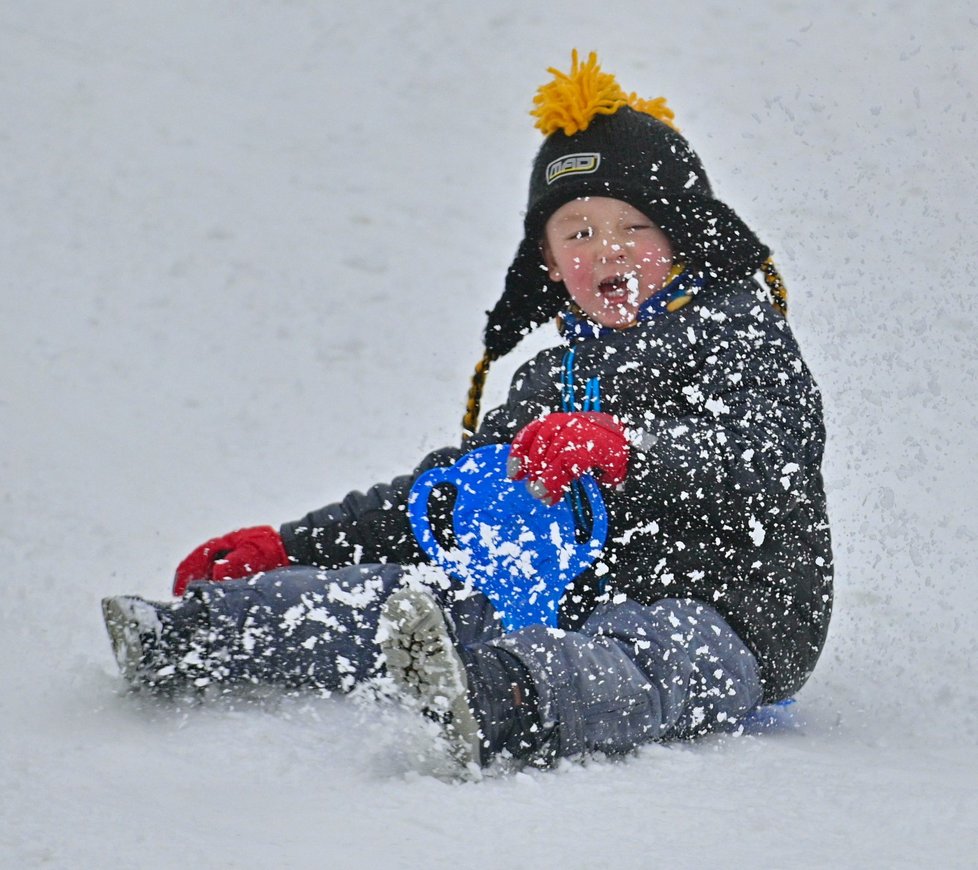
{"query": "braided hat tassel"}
{"type": "Point", "coordinates": [473, 404]}
{"type": "Point", "coordinates": [775, 286]}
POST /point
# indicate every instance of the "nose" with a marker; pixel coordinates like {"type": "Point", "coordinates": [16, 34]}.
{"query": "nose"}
{"type": "Point", "coordinates": [612, 248]}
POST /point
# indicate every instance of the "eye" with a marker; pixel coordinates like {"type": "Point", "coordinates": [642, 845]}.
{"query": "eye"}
{"type": "Point", "coordinates": [583, 233]}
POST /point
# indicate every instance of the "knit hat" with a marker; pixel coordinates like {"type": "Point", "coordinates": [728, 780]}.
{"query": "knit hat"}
{"type": "Point", "coordinates": [602, 142]}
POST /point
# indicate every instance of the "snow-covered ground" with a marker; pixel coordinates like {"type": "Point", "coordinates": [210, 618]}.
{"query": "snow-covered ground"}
{"type": "Point", "coordinates": [246, 251]}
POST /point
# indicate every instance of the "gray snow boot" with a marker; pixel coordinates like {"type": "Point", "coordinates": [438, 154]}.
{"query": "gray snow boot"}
{"type": "Point", "coordinates": [153, 642]}
{"type": "Point", "coordinates": [425, 663]}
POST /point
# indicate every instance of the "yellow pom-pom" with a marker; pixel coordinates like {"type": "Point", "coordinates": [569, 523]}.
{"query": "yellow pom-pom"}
{"type": "Point", "coordinates": [657, 108]}
{"type": "Point", "coordinates": [572, 100]}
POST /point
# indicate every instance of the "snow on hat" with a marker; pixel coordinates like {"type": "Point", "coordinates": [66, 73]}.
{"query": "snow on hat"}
{"type": "Point", "coordinates": [604, 142]}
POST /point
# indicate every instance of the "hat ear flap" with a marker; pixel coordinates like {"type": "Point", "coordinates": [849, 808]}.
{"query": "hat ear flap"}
{"type": "Point", "coordinates": [530, 298]}
{"type": "Point", "coordinates": [709, 236]}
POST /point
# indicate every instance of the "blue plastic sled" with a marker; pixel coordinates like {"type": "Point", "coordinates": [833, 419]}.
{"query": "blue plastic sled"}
{"type": "Point", "coordinates": [519, 552]}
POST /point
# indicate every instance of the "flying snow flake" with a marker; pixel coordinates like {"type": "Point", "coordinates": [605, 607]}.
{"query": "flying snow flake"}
{"type": "Point", "coordinates": [357, 596]}
{"type": "Point", "coordinates": [292, 618]}
{"type": "Point", "coordinates": [650, 528]}
{"type": "Point", "coordinates": [717, 406]}
{"type": "Point", "coordinates": [693, 394]}
{"type": "Point", "coordinates": [756, 531]}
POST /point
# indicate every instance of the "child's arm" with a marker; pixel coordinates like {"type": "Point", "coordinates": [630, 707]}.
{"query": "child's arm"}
{"type": "Point", "coordinates": [364, 527]}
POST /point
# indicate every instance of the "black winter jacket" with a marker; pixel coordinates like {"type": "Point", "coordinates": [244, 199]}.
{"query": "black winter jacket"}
{"type": "Point", "coordinates": [723, 501]}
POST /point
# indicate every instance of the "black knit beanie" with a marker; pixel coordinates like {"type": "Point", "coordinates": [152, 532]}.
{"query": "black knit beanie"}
{"type": "Point", "coordinates": [601, 142]}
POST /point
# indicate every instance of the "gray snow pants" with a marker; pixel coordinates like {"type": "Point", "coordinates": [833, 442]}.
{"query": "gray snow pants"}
{"type": "Point", "coordinates": [631, 673]}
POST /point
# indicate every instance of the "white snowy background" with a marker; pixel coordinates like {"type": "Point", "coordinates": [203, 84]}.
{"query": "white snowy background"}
{"type": "Point", "coordinates": [246, 249]}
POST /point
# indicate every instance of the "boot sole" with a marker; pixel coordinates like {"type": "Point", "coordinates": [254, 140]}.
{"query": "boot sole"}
{"type": "Point", "coordinates": [125, 632]}
{"type": "Point", "coordinates": [120, 627]}
{"type": "Point", "coordinates": [422, 661]}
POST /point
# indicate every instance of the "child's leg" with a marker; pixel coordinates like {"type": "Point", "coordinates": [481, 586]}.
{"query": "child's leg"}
{"type": "Point", "coordinates": [303, 626]}
{"type": "Point", "coordinates": [296, 626]}
{"type": "Point", "coordinates": [637, 673]}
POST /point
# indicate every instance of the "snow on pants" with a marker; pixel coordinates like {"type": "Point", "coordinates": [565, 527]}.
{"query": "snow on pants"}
{"type": "Point", "coordinates": [630, 674]}
{"type": "Point", "coordinates": [636, 673]}
{"type": "Point", "coordinates": [308, 627]}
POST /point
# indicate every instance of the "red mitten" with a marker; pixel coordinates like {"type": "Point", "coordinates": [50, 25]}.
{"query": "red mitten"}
{"type": "Point", "coordinates": [552, 452]}
{"type": "Point", "coordinates": [237, 554]}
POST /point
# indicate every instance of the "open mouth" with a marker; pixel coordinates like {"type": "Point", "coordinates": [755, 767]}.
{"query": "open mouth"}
{"type": "Point", "coordinates": [619, 286]}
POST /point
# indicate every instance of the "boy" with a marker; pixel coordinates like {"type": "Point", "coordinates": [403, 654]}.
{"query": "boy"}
{"type": "Point", "coordinates": [678, 386]}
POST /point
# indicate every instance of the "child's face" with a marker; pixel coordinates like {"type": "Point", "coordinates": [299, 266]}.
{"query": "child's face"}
{"type": "Point", "coordinates": [609, 255]}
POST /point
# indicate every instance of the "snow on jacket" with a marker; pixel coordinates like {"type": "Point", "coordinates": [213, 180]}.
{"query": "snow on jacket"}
{"type": "Point", "coordinates": [723, 501]}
